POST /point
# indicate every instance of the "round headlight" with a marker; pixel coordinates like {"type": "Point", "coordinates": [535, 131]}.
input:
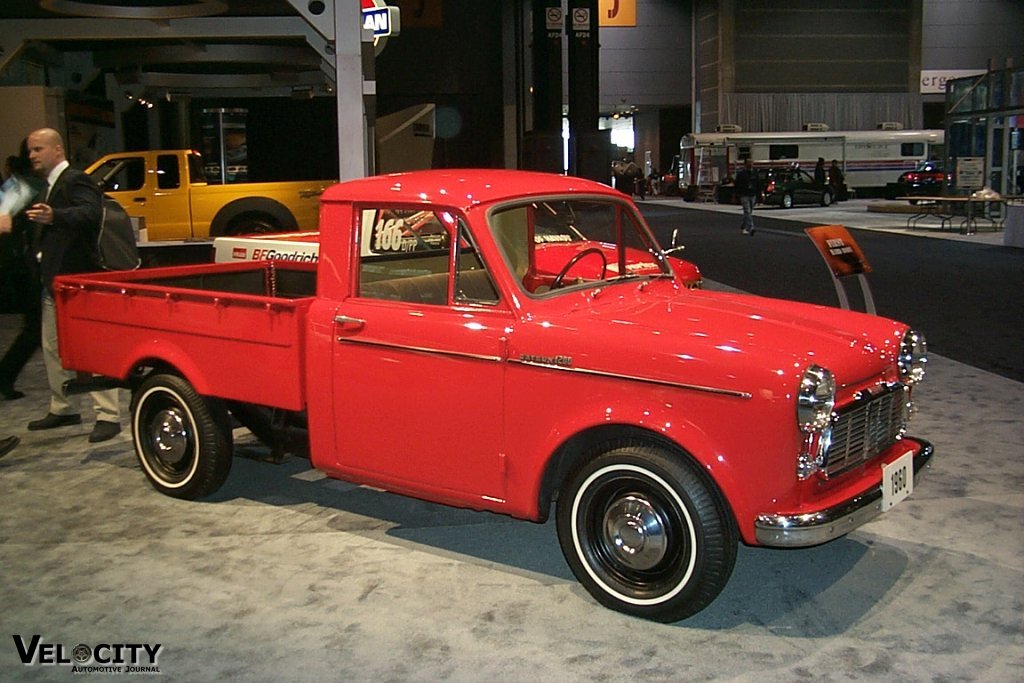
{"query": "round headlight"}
{"type": "Point", "coordinates": [815, 399]}
{"type": "Point", "coordinates": [913, 356]}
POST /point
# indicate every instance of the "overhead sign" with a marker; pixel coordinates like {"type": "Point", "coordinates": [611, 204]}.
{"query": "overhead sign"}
{"type": "Point", "coordinates": [616, 13]}
{"type": "Point", "coordinates": [378, 21]}
{"type": "Point", "coordinates": [381, 19]}
{"type": "Point", "coordinates": [934, 81]}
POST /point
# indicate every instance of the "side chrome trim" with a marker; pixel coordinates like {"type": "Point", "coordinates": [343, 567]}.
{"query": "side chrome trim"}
{"type": "Point", "coordinates": [634, 378]}
{"type": "Point", "coordinates": [420, 349]}
{"type": "Point", "coordinates": [814, 528]}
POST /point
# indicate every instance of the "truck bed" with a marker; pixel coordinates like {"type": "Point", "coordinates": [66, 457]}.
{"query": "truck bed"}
{"type": "Point", "coordinates": [235, 331]}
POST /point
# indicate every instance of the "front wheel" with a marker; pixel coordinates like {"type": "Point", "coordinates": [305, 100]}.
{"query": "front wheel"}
{"type": "Point", "coordinates": [826, 198]}
{"type": "Point", "coordinates": [182, 440]}
{"type": "Point", "coordinates": [646, 534]}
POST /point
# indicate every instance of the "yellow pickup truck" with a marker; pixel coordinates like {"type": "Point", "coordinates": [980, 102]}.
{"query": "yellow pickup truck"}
{"type": "Point", "coordinates": [168, 192]}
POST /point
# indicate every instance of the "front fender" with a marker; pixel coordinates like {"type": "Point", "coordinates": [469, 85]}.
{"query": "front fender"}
{"type": "Point", "coordinates": [576, 434]}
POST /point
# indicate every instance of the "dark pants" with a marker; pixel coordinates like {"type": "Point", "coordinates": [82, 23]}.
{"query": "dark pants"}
{"type": "Point", "coordinates": [24, 345]}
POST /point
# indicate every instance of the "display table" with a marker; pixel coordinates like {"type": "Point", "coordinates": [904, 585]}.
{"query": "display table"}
{"type": "Point", "coordinates": [949, 207]}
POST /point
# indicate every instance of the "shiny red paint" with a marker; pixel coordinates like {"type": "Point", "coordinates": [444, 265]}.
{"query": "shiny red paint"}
{"type": "Point", "coordinates": [474, 405]}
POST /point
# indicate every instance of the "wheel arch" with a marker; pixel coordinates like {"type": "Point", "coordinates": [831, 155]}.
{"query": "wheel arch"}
{"type": "Point", "coordinates": [580, 446]}
{"type": "Point", "coordinates": [262, 206]}
{"type": "Point", "coordinates": [168, 358]}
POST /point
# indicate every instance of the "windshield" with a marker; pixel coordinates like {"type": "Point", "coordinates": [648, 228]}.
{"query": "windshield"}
{"type": "Point", "coordinates": [560, 243]}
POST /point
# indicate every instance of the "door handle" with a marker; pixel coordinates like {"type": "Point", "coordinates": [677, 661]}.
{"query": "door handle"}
{"type": "Point", "coordinates": [349, 322]}
{"type": "Point", "coordinates": [139, 200]}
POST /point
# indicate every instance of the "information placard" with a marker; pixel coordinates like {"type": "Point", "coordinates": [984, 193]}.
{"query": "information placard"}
{"type": "Point", "coordinates": [970, 173]}
{"type": "Point", "coordinates": [841, 252]}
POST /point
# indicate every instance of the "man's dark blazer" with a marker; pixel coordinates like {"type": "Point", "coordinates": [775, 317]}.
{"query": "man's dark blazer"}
{"type": "Point", "coordinates": [68, 244]}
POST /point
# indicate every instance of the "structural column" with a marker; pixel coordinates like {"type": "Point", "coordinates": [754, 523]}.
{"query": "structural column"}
{"type": "Point", "coordinates": [589, 149]}
{"type": "Point", "coordinates": [542, 146]}
{"type": "Point", "coordinates": [353, 152]}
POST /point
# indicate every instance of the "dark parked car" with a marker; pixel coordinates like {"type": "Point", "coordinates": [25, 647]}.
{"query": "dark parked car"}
{"type": "Point", "coordinates": [927, 179]}
{"type": "Point", "coordinates": [787, 187]}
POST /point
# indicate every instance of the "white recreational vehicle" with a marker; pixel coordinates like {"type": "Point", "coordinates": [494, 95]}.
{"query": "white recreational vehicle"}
{"type": "Point", "coordinates": [870, 159]}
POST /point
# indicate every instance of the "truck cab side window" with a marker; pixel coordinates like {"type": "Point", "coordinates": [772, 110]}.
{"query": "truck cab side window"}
{"type": "Point", "coordinates": [196, 174]}
{"type": "Point", "coordinates": [404, 256]}
{"type": "Point", "coordinates": [121, 174]}
{"type": "Point", "coordinates": [168, 176]}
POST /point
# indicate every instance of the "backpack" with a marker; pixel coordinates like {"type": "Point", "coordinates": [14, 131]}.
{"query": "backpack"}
{"type": "Point", "coordinates": [115, 243]}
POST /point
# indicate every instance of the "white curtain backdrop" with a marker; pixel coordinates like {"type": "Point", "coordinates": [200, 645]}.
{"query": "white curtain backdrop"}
{"type": "Point", "coordinates": [772, 112]}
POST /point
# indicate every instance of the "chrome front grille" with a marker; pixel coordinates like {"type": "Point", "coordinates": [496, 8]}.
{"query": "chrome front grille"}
{"type": "Point", "coordinates": [865, 429]}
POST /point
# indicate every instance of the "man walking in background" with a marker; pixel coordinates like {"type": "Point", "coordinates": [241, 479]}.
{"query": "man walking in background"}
{"type": "Point", "coordinates": [67, 221]}
{"type": "Point", "coordinates": [748, 187]}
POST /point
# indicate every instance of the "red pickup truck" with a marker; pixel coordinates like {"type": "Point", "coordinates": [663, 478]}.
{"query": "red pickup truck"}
{"type": "Point", "coordinates": [434, 351]}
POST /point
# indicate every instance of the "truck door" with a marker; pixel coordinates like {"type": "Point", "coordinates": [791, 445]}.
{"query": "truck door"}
{"type": "Point", "coordinates": [152, 188]}
{"type": "Point", "coordinates": [167, 206]}
{"type": "Point", "coordinates": [419, 360]}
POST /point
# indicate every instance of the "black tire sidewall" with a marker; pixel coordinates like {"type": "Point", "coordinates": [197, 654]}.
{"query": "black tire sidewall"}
{"type": "Point", "coordinates": [210, 442]}
{"type": "Point", "coordinates": [712, 544]}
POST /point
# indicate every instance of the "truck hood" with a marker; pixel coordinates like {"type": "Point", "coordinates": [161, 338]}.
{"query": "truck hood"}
{"type": "Point", "coordinates": [730, 341]}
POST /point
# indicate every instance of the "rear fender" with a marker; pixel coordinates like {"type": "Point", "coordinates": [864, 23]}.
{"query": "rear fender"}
{"type": "Point", "coordinates": [162, 353]}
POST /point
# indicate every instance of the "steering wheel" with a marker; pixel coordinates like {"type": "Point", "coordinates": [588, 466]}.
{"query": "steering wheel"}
{"type": "Point", "coordinates": [576, 259]}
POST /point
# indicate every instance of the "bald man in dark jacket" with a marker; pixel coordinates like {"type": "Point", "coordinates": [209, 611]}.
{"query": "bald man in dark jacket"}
{"type": "Point", "coordinates": [68, 219]}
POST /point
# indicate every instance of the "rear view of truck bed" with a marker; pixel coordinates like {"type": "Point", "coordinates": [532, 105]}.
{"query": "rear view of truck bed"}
{"type": "Point", "coordinates": [234, 330]}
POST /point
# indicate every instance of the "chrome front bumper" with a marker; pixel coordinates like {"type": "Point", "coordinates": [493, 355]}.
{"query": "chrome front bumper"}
{"type": "Point", "coordinates": [814, 528]}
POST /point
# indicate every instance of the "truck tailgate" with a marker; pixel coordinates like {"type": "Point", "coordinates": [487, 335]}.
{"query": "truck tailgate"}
{"type": "Point", "coordinates": [235, 331]}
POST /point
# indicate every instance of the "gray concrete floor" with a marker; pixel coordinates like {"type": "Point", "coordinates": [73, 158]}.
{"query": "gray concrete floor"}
{"type": "Point", "coordinates": [287, 576]}
{"type": "Point", "coordinates": [865, 214]}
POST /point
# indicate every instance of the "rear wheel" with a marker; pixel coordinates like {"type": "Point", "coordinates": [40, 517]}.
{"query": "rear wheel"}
{"type": "Point", "coordinates": [182, 440]}
{"type": "Point", "coordinates": [787, 201]}
{"type": "Point", "coordinates": [645, 533]}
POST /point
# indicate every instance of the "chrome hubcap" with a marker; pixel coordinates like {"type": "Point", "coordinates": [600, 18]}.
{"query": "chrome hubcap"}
{"type": "Point", "coordinates": [635, 532]}
{"type": "Point", "coordinates": [170, 436]}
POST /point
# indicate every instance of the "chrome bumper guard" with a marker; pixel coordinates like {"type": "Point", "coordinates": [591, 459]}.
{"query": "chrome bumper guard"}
{"type": "Point", "coordinates": [814, 528]}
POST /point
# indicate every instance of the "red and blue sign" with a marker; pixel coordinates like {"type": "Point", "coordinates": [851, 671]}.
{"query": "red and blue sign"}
{"type": "Point", "coordinates": [380, 18]}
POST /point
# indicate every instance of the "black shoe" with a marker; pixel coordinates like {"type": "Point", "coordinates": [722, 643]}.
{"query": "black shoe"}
{"type": "Point", "coordinates": [11, 394]}
{"type": "Point", "coordinates": [9, 444]}
{"type": "Point", "coordinates": [52, 421]}
{"type": "Point", "coordinates": [103, 431]}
